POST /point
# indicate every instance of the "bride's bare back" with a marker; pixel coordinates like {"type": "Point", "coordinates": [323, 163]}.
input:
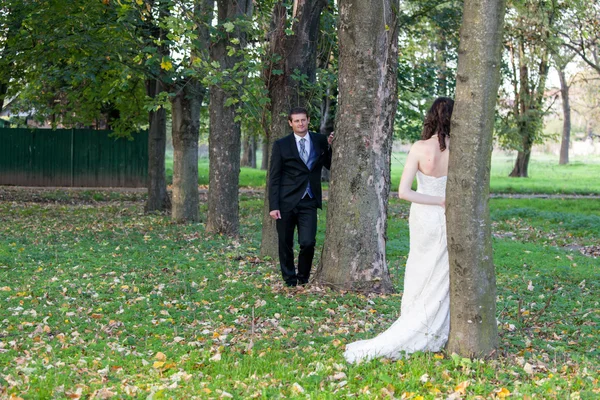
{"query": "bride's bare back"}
{"type": "Point", "coordinates": [424, 156]}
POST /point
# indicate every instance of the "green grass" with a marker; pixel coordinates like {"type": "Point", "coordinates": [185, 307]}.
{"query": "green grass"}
{"type": "Point", "coordinates": [96, 297]}
{"type": "Point", "coordinates": [545, 175]}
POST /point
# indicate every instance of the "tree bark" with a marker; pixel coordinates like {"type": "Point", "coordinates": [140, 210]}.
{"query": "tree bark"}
{"type": "Point", "coordinates": [289, 54]}
{"type": "Point", "coordinates": [473, 331]}
{"type": "Point", "coordinates": [353, 256]}
{"type": "Point", "coordinates": [186, 131]}
{"type": "Point", "coordinates": [566, 106]}
{"type": "Point", "coordinates": [158, 198]}
{"type": "Point", "coordinates": [225, 134]}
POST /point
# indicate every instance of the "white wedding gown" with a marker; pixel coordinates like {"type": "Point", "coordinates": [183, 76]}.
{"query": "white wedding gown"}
{"type": "Point", "coordinates": [424, 320]}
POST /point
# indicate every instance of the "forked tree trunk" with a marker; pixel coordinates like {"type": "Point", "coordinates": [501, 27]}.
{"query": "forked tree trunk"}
{"type": "Point", "coordinates": [294, 54]}
{"type": "Point", "coordinates": [158, 197]}
{"type": "Point", "coordinates": [225, 134]}
{"type": "Point", "coordinates": [353, 256]}
{"type": "Point", "coordinates": [186, 129]}
{"type": "Point", "coordinates": [566, 106]}
{"type": "Point", "coordinates": [530, 103]}
{"type": "Point", "coordinates": [473, 330]}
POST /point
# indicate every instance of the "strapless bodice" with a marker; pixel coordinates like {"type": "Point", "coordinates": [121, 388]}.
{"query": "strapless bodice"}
{"type": "Point", "coordinates": [431, 185]}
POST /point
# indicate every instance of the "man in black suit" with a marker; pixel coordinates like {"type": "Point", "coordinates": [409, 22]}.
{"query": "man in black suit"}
{"type": "Point", "coordinates": [295, 193]}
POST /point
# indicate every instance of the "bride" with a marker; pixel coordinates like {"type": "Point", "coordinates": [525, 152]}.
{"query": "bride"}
{"type": "Point", "coordinates": [424, 320]}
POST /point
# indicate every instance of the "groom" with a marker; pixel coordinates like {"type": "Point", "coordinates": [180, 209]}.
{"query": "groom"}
{"type": "Point", "coordinates": [295, 193]}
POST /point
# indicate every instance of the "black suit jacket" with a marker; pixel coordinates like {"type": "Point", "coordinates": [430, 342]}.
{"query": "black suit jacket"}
{"type": "Point", "coordinates": [289, 176]}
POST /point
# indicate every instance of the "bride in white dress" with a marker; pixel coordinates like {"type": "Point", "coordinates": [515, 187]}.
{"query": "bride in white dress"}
{"type": "Point", "coordinates": [424, 320]}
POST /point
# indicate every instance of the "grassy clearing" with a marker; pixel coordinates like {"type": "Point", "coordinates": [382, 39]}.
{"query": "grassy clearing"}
{"type": "Point", "coordinates": [98, 299]}
{"type": "Point", "coordinates": [546, 176]}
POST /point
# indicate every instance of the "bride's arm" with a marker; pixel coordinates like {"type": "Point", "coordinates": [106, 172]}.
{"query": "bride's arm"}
{"type": "Point", "coordinates": [405, 191]}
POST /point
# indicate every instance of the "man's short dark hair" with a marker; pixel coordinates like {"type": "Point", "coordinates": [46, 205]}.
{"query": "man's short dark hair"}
{"type": "Point", "coordinates": [297, 110]}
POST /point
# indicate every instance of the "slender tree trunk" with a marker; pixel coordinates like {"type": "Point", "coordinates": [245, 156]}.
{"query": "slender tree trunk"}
{"type": "Point", "coordinates": [264, 164]}
{"type": "Point", "coordinates": [253, 152]}
{"type": "Point", "coordinates": [246, 160]}
{"type": "Point", "coordinates": [158, 197]}
{"type": "Point", "coordinates": [354, 252]}
{"type": "Point", "coordinates": [327, 121]}
{"type": "Point", "coordinates": [566, 133]}
{"type": "Point", "coordinates": [186, 129]}
{"type": "Point", "coordinates": [293, 53]}
{"type": "Point", "coordinates": [249, 152]}
{"type": "Point", "coordinates": [473, 331]}
{"type": "Point", "coordinates": [225, 134]}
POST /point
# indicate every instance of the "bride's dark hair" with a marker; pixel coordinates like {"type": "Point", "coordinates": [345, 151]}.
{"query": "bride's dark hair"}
{"type": "Point", "coordinates": [437, 120]}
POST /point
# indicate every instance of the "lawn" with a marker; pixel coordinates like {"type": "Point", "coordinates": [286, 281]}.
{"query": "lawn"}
{"type": "Point", "coordinates": [545, 174]}
{"type": "Point", "coordinates": [98, 300]}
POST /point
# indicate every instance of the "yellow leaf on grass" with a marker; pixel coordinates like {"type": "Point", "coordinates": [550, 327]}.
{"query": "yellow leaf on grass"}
{"type": "Point", "coordinates": [462, 387]}
{"type": "Point", "coordinates": [502, 393]}
{"type": "Point", "coordinates": [158, 364]}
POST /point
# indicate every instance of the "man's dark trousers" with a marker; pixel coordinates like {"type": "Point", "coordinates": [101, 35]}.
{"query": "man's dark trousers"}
{"type": "Point", "coordinates": [304, 216]}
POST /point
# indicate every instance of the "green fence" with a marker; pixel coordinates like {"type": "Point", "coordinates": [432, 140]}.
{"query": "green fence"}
{"type": "Point", "coordinates": [72, 157]}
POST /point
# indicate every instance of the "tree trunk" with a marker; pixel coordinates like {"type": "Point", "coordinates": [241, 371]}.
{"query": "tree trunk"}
{"type": "Point", "coordinates": [249, 152]}
{"type": "Point", "coordinates": [3, 91]}
{"type": "Point", "coordinates": [186, 129]}
{"type": "Point", "coordinates": [253, 152]}
{"type": "Point", "coordinates": [530, 102]}
{"type": "Point", "coordinates": [264, 164]}
{"type": "Point", "coordinates": [292, 54]}
{"type": "Point", "coordinates": [353, 256]}
{"type": "Point", "coordinates": [327, 121]}
{"type": "Point", "coordinates": [566, 133]}
{"type": "Point", "coordinates": [225, 134]}
{"type": "Point", "coordinates": [473, 331]}
{"type": "Point", "coordinates": [158, 198]}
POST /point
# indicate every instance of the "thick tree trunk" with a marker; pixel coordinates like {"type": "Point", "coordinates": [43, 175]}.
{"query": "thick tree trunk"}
{"type": "Point", "coordinates": [224, 160]}
{"type": "Point", "coordinates": [520, 169]}
{"type": "Point", "coordinates": [296, 53]}
{"type": "Point", "coordinates": [566, 133]}
{"type": "Point", "coordinates": [186, 129]}
{"type": "Point", "coordinates": [473, 330]}
{"type": "Point", "coordinates": [353, 256]}
{"type": "Point", "coordinates": [225, 134]}
{"type": "Point", "coordinates": [158, 199]}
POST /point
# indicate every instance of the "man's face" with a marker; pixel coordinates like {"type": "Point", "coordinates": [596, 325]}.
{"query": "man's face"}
{"type": "Point", "coordinates": [299, 124]}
